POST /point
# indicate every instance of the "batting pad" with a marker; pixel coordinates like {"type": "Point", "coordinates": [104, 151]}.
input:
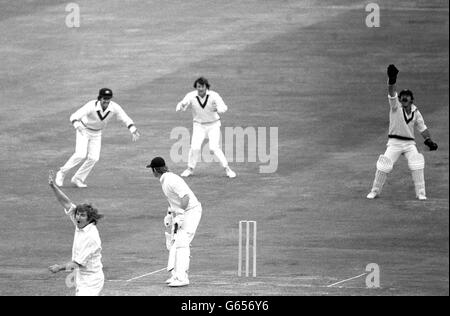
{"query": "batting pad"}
{"type": "Point", "coordinates": [419, 181]}
{"type": "Point", "coordinates": [384, 164]}
{"type": "Point", "coordinates": [416, 162]}
{"type": "Point", "coordinates": [378, 182]}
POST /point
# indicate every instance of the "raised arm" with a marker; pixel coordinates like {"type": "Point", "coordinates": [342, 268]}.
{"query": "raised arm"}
{"type": "Point", "coordinates": [60, 195]}
{"type": "Point", "coordinates": [392, 73]}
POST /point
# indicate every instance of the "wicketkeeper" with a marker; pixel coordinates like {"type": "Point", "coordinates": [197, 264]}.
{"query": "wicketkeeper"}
{"type": "Point", "coordinates": [403, 117]}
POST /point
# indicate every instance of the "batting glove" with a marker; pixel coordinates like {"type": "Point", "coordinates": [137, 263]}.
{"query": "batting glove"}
{"type": "Point", "coordinates": [168, 220]}
{"type": "Point", "coordinates": [179, 219]}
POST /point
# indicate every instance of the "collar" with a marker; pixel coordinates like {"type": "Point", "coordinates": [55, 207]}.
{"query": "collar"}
{"type": "Point", "coordinates": [206, 94]}
{"type": "Point", "coordinates": [413, 109]}
{"type": "Point", "coordinates": [86, 228]}
{"type": "Point", "coordinates": [99, 106]}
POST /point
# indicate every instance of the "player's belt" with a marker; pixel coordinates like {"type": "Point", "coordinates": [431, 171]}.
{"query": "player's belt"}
{"type": "Point", "coordinates": [400, 137]}
{"type": "Point", "coordinates": [206, 122]}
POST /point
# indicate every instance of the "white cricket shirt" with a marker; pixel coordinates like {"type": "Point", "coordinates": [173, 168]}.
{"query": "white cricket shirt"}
{"type": "Point", "coordinates": [87, 246]}
{"type": "Point", "coordinates": [92, 116]}
{"type": "Point", "coordinates": [401, 125]}
{"type": "Point", "coordinates": [205, 110]}
{"type": "Point", "coordinates": [175, 188]}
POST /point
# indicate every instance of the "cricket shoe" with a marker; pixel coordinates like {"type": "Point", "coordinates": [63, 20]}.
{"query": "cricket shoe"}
{"type": "Point", "coordinates": [372, 195]}
{"type": "Point", "coordinates": [78, 183]}
{"type": "Point", "coordinates": [178, 283]}
{"type": "Point", "coordinates": [59, 179]}
{"type": "Point", "coordinates": [171, 279]}
{"type": "Point", "coordinates": [188, 172]}
{"type": "Point", "coordinates": [230, 173]}
{"type": "Point", "coordinates": [421, 195]}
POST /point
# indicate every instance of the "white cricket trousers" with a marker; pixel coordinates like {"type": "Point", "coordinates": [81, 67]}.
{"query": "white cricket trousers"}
{"type": "Point", "coordinates": [179, 254]}
{"type": "Point", "coordinates": [89, 283]}
{"type": "Point", "coordinates": [88, 145]}
{"type": "Point", "coordinates": [395, 148]}
{"type": "Point", "coordinates": [199, 133]}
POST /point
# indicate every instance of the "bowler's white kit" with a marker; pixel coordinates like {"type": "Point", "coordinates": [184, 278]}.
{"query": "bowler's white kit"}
{"type": "Point", "coordinates": [175, 188]}
{"type": "Point", "coordinates": [86, 251]}
{"type": "Point", "coordinates": [205, 112]}
{"type": "Point", "coordinates": [93, 119]}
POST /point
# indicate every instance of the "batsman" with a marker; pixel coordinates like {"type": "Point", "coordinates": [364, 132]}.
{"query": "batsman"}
{"type": "Point", "coordinates": [183, 216]}
{"type": "Point", "coordinates": [404, 116]}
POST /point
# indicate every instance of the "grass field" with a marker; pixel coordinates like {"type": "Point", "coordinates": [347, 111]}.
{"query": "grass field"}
{"type": "Point", "coordinates": [311, 68]}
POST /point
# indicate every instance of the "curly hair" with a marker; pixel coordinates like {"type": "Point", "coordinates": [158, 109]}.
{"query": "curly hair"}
{"type": "Point", "coordinates": [92, 213]}
{"type": "Point", "coordinates": [406, 92]}
{"type": "Point", "coordinates": [202, 81]}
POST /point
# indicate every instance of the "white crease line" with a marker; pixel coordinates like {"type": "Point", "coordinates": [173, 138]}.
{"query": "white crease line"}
{"type": "Point", "coordinates": [358, 276]}
{"type": "Point", "coordinates": [144, 275]}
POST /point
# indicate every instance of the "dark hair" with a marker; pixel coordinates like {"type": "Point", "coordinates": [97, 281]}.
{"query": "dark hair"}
{"type": "Point", "coordinates": [406, 92]}
{"type": "Point", "coordinates": [161, 170]}
{"type": "Point", "coordinates": [202, 81]}
{"type": "Point", "coordinates": [92, 213]}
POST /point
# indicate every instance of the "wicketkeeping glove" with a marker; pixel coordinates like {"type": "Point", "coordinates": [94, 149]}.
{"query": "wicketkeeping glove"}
{"type": "Point", "coordinates": [392, 73]}
{"type": "Point", "coordinates": [432, 145]}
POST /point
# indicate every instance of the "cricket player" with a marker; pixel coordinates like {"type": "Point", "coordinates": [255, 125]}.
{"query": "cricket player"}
{"type": "Point", "coordinates": [184, 213]}
{"type": "Point", "coordinates": [89, 121]}
{"type": "Point", "coordinates": [403, 117]}
{"type": "Point", "coordinates": [87, 246]}
{"type": "Point", "coordinates": [206, 106]}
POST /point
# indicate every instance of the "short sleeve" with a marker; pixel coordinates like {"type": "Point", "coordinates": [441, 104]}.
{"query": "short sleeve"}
{"type": "Point", "coordinates": [180, 189]}
{"type": "Point", "coordinates": [88, 249]}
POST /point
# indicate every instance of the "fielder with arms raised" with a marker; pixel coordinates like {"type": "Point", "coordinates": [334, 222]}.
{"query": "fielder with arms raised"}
{"type": "Point", "coordinates": [87, 246]}
{"type": "Point", "coordinates": [403, 117]}
{"type": "Point", "coordinates": [206, 106]}
{"type": "Point", "coordinates": [184, 212]}
{"type": "Point", "coordinates": [89, 121]}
